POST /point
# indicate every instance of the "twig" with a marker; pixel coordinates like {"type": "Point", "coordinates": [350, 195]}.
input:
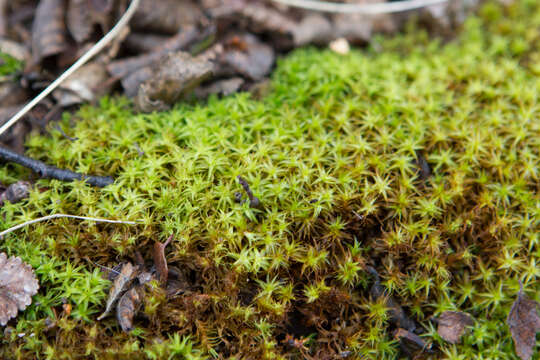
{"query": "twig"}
{"type": "Point", "coordinates": [49, 217]}
{"type": "Point", "coordinates": [82, 60]}
{"type": "Point", "coordinates": [51, 172]}
{"type": "Point", "coordinates": [367, 9]}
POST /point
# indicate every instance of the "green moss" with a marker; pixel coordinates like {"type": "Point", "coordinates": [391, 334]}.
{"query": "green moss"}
{"type": "Point", "coordinates": [331, 153]}
{"type": "Point", "coordinates": [9, 65]}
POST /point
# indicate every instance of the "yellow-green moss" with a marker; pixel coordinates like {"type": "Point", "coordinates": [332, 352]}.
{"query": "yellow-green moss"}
{"type": "Point", "coordinates": [331, 153]}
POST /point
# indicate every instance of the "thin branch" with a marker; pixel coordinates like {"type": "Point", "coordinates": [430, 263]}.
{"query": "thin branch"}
{"type": "Point", "coordinates": [366, 9]}
{"type": "Point", "coordinates": [51, 172]}
{"type": "Point", "coordinates": [82, 60]}
{"type": "Point", "coordinates": [49, 217]}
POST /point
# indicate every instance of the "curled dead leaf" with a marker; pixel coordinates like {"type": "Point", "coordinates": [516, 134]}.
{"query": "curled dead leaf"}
{"type": "Point", "coordinates": [121, 282]}
{"type": "Point", "coordinates": [48, 29]}
{"type": "Point", "coordinates": [524, 323]}
{"type": "Point", "coordinates": [177, 75]}
{"type": "Point", "coordinates": [159, 259]}
{"type": "Point", "coordinates": [452, 325]}
{"type": "Point", "coordinates": [18, 284]}
{"type": "Point", "coordinates": [127, 308]}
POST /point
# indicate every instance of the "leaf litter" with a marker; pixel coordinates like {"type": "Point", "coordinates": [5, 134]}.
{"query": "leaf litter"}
{"type": "Point", "coordinates": [524, 323]}
{"type": "Point", "coordinates": [18, 284]}
{"type": "Point", "coordinates": [452, 325]}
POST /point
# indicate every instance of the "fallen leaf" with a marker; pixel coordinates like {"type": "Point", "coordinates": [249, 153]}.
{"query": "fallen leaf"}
{"type": "Point", "coordinates": [166, 16]}
{"type": "Point", "coordinates": [84, 85]}
{"type": "Point", "coordinates": [452, 324]}
{"type": "Point", "coordinates": [78, 20]}
{"type": "Point", "coordinates": [14, 49]}
{"type": "Point", "coordinates": [127, 308]}
{"type": "Point", "coordinates": [248, 56]}
{"type": "Point", "coordinates": [221, 87]}
{"type": "Point", "coordinates": [48, 30]}
{"type": "Point", "coordinates": [3, 17]}
{"type": "Point", "coordinates": [17, 286]}
{"type": "Point", "coordinates": [313, 29]}
{"type": "Point", "coordinates": [410, 342]}
{"type": "Point", "coordinates": [121, 282]}
{"type": "Point", "coordinates": [356, 28]}
{"type": "Point", "coordinates": [160, 261]}
{"type": "Point", "coordinates": [177, 75]}
{"type": "Point", "coordinates": [524, 323]}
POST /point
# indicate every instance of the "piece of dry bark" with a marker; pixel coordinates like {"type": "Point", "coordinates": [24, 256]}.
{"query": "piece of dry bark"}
{"type": "Point", "coordinates": [524, 323]}
{"type": "Point", "coordinates": [160, 261]}
{"type": "Point", "coordinates": [18, 284]}
{"type": "Point", "coordinates": [166, 16]}
{"type": "Point", "coordinates": [127, 308]}
{"type": "Point", "coordinates": [247, 56]}
{"type": "Point", "coordinates": [177, 75]}
{"type": "Point", "coordinates": [48, 30]}
{"type": "Point", "coordinates": [452, 325]}
{"type": "Point", "coordinates": [78, 20]}
{"type": "Point", "coordinates": [16, 192]}
{"type": "Point", "coordinates": [84, 85]}
{"type": "Point", "coordinates": [121, 282]}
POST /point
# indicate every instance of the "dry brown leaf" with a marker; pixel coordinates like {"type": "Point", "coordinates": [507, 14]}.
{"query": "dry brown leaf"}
{"type": "Point", "coordinates": [524, 323]}
{"type": "Point", "coordinates": [177, 75]}
{"type": "Point", "coordinates": [452, 324]}
{"type": "Point", "coordinates": [121, 282]}
{"type": "Point", "coordinates": [166, 16]}
{"type": "Point", "coordinates": [48, 30]}
{"type": "Point", "coordinates": [315, 29]}
{"type": "Point", "coordinates": [160, 261]}
{"type": "Point", "coordinates": [17, 286]}
{"type": "Point", "coordinates": [78, 20]}
{"type": "Point", "coordinates": [3, 17]}
{"type": "Point", "coordinates": [248, 56]}
{"type": "Point", "coordinates": [84, 85]}
{"type": "Point", "coordinates": [127, 308]}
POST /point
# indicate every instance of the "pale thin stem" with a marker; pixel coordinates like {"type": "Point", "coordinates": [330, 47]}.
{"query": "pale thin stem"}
{"type": "Point", "coordinates": [366, 9]}
{"type": "Point", "coordinates": [54, 216]}
{"type": "Point", "coordinates": [82, 60]}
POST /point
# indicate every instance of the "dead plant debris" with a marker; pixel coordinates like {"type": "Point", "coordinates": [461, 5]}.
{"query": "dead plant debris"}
{"type": "Point", "coordinates": [524, 323]}
{"type": "Point", "coordinates": [18, 284]}
{"type": "Point", "coordinates": [452, 325]}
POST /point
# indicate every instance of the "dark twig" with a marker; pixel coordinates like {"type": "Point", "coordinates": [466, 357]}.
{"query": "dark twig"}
{"type": "Point", "coordinates": [51, 172]}
{"type": "Point", "coordinates": [253, 200]}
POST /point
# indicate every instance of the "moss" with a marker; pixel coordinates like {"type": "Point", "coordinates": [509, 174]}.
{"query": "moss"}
{"type": "Point", "coordinates": [9, 65]}
{"type": "Point", "coordinates": [332, 153]}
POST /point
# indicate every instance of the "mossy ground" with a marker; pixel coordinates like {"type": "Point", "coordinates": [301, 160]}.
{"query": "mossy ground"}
{"type": "Point", "coordinates": [330, 152]}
